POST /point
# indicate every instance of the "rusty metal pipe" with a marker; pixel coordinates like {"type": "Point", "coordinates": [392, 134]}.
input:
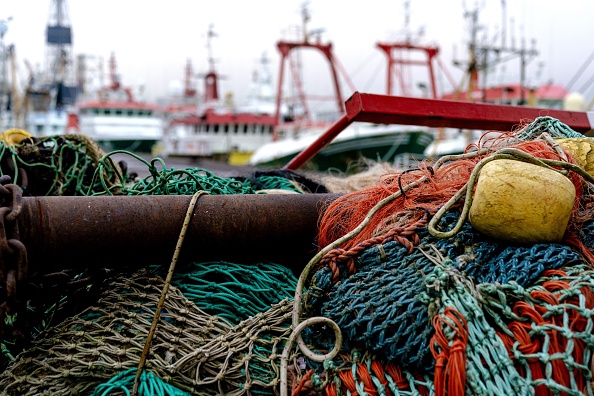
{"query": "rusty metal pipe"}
{"type": "Point", "coordinates": [79, 232]}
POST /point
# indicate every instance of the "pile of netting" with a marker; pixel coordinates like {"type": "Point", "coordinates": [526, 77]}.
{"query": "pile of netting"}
{"type": "Point", "coordinates": [221, 331]}
{"type": "Point", "coordinates": [74, 165]}
{"type": "Point", "coordinates": [405, 297]}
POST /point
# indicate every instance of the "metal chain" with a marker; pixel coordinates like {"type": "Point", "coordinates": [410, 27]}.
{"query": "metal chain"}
{"type": "Point", "coordinates": [13, 255]}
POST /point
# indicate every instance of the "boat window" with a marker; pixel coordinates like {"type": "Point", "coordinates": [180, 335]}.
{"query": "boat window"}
{"type": "Point", "coordinates": [119, 112]}
{"type": "Point", "coordinates": [216, 128]}
{"type": "Point", "coordinates": [245, 129]}
{"type": "Point", "coordinates": [226, 128]}
{"type": "Point", "coordinates": [235, 129]}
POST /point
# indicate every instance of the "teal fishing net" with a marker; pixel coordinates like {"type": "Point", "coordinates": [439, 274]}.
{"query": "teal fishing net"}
{"type": "Point", "coordinates": [549, 125]}
{"type": "Point", "coordinates": [234, 291]}
{"type": "Point", "coordinates": [170, 181]}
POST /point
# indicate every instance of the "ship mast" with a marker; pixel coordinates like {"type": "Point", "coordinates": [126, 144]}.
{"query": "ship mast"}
{"type": "Point", "coordinates": [4, 95]}
{"type": "Point", "coordinates": [59, 70]}
{"type": "Point", "coordinates": [398, 62]}
{"type": "Point", "coordinates": [482, 57]}
{"type": "Point", "coordinates": [211, 89]}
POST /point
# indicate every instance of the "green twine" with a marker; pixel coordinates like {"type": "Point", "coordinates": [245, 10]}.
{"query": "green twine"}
{"type": "Point", "coordinates": [278, 183]}
{"type": "Point", "coordinates": [235, 291]}
{"type": "Point", "coordinates": [171, 181]}
{"type": "Point", "coordinates": [549, 125]}
{"type": "Point", "coordinates": [55, 165]}
{"type": "Point", "coordinates": [150, 385]}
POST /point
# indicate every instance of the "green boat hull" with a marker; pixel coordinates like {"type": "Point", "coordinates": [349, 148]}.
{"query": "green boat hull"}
{"type": "Point", "coordinates": [135, 146]}
{"type": "Point", "coordinates": [349, 156]}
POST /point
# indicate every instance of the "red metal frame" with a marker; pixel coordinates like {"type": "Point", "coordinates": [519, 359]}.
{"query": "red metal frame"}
{"type": "Point", "coordinates": [384, 109]}
{"type": "Point", "coordinates": [285, 47]}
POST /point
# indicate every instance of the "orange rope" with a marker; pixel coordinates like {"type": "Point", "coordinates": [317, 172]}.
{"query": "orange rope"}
{"type": "Point", "coordinates": [406, 236]}
{"type": "Point", "coordinates": [537, 314]}
{"type": "Point", "coordinates": [450, 366]}
{"type": "Point", "coordinates": [302, 383]}
{"type": "Point", "coordinates": [348, 383]}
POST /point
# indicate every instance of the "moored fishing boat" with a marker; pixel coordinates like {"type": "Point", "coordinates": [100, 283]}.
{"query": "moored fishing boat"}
{"type": "Point", "coordinates": [115, 119]}
{"type": "Point", "coordinates": [219, 128]}
{"type": "Point", "coordinates": [396, 144]}
{"type": "Point", "coordinates": [399, 145]}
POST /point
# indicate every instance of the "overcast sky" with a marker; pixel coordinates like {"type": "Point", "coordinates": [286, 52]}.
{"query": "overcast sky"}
{"type": "Point", "coordinates": [153, 39]}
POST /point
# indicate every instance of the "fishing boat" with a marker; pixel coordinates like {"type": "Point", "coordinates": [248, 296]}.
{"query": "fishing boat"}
{"type": "Point", "coordinates": [218, 128]}
{"type": "Point", "coordinates": [397, 144]}
{"type": "Point", "coordinates": [115, 119]}
{"type": "Point", "coordinates": [400, 145]}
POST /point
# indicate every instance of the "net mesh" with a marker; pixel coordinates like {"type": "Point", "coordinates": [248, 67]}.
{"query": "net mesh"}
{"type": "Point", "coordinates": [418, 313]}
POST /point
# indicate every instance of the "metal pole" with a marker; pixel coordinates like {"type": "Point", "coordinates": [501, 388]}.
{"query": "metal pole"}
{"type": "Point", "coordinates": [81, 232]}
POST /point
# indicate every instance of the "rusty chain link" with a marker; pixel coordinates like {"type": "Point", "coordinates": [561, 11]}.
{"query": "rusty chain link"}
{"type": "Point", "coordinates": [13, 255]}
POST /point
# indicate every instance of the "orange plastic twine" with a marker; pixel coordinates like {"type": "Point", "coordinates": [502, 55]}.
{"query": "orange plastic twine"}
{"type": "Point", "coordinates": [448, 346]}
{"type": "Point", "coordinates": [426, 189]}
{"type": "Point", "coordinates": [538, 331]}
{"type": "Point", "coordinates": [358, 380]}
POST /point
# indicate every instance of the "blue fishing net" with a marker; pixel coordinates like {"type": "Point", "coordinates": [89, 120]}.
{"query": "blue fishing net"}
{"type": "Point", "coordinates": [380, 308]}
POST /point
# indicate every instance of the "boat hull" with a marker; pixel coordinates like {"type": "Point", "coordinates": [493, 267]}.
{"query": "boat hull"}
{"type": "Point", "coordinates": [348, 155]}
{"type": "Point", "coordinates": [132, 145]}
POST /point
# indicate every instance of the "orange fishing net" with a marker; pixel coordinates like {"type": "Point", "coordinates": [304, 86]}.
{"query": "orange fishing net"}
{"type": "Point", "coordinates": [435, 186]}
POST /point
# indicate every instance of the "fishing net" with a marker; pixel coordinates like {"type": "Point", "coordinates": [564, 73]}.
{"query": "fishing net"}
{"type": "Point", "coordinates": [74, 165]}
{"type": "Point", "coordinates": [193, 351]}
{"type": "Point", "coordinates": [54, 165]}
{"type": "Point", "coordinates": [404, 297]}
{"type": "Point", "coordinates": [436, 307]}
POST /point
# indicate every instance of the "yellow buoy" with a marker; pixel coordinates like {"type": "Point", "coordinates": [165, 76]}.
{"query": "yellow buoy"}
{"type": "Point", "coordinates": [522, 203]}
{"type": "Point", "coordinates": [14, 136]}
{"type": "Point", "coordinates": [582, 150]}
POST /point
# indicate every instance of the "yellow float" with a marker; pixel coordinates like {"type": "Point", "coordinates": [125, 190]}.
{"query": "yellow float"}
{"type": "Point", "coordinates": [522, 203]}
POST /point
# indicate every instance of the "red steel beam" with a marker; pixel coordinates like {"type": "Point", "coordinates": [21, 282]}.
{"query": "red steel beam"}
{"type": "Point", "coordinates": [384, 109]}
